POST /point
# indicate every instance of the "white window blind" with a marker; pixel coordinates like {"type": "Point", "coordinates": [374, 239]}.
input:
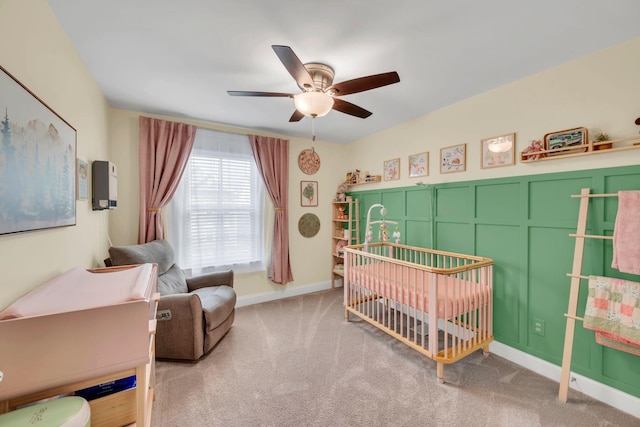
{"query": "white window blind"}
{"type": "Point", "coordinates": [217, 216]}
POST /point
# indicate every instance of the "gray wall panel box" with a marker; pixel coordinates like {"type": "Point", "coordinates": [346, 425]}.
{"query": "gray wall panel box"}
{"type": "Point", "coordinates": [105, 185]}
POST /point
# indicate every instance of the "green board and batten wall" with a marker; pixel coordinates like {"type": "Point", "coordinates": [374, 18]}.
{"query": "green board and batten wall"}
{"type": "Point", "coordinates": [523, 223]}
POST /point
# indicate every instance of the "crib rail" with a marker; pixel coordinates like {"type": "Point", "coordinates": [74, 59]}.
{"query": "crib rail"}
{"type": "Point", "coordinates": [437, 302]}
{"type": "Point", "coordinates": [433, 260]}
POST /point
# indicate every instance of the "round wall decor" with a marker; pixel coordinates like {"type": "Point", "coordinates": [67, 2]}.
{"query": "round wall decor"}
{"type": "Point", "coordinates": [308, 225]}
{"type": "Point", "coordinates": [309, 161]}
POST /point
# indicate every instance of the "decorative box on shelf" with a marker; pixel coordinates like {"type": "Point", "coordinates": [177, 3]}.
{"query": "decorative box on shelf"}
{"type": "Point", "coordinates": [535, 152]}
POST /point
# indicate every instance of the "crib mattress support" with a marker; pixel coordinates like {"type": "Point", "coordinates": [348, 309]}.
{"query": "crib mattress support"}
{"type": "Point", "coordinates": [441, 359]}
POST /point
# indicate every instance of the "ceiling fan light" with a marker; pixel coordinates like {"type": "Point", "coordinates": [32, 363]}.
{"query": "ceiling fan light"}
{"type": "Point", "coordinates": [499, 145]}
{"type": "Point", "coordinates": [313, 104]}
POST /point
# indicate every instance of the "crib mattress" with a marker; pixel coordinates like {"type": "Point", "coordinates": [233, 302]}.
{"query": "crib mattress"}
{"type": "Point", "coordinates": [410, 286]}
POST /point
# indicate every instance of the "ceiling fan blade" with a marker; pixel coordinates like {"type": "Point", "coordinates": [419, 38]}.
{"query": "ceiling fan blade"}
{"type": "Point", "coordinates": [296, 116]}
{"type": "Point", "coordinates": [294, 66]}
{"type": "Point", "coordinates": [349, 108]}
{"type": "Point", "coordinates": [364, 83]}
{"type": "Point", "coordinates": [247, 93]}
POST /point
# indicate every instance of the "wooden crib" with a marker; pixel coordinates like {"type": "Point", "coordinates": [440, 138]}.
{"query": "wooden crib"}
{"type": "Point", "coordinates": [439, 303]}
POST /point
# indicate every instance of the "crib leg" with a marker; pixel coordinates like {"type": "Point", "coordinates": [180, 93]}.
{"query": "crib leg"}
{"type": "Point", "coordinates": [346, 314]}
{"type": "Point", "coordinates": [440, 372]}
{"type": "Point", "coordinates": [485, 350]}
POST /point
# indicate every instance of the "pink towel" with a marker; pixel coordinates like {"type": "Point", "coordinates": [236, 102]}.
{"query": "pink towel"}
{"type": "Point", "coordinates": [626, 234]}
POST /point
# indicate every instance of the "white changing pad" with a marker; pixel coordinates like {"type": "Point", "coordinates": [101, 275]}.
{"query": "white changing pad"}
{"type": "Point", "coordinates": [79, 289]}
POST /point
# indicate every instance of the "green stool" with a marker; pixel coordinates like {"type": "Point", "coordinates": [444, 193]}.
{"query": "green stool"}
{"type": "Point", "coordinates": [71, 411]}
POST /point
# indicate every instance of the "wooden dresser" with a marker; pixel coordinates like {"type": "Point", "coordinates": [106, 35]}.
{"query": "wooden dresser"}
{"type": "Point", "coordinates": [57, 354]}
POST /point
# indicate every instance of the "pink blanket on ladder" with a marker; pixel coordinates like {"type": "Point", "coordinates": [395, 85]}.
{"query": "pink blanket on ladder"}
{"type": "Point", "coordinates": [626, 233]}
{"type": "Point", "coordinates": [613, 312]}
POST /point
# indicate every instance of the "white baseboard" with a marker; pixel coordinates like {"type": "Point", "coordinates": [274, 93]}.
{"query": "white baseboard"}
{"type": "Point", "coordinates": [602, 392]}
{"type": "Point", "coordinates": [281, 294]}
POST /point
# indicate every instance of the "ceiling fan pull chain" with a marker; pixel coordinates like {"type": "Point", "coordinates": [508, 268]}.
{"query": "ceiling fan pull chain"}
{"type": "Point", "coordinates": [313, 128]}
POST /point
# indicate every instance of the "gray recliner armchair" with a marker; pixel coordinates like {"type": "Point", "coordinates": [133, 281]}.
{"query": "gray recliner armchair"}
{"type": "Point", "coordinates": [193, 313]}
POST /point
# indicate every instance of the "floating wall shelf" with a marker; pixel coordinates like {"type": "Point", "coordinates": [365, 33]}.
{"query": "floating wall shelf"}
{"type": "Point", "coordinates": [581, 150]}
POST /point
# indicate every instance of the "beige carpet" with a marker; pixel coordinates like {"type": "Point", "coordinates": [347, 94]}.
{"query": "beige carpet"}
{"type": "Point", "coordinates": [296, 362]}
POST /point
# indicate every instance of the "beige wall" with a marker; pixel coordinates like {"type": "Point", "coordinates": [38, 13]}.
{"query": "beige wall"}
{"type": "Point", "coordinates": [37, 52]}
{"type": "Point", "coordinates": [599, 92]}
{"type": "Point", "coordinates": [310, 260]}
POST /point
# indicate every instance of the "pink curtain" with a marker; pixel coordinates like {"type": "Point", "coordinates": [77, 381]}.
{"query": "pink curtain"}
{"type": "Point", "coordinates": [164, 151]}
{"type": "Point", "coordinates": [272, 158]}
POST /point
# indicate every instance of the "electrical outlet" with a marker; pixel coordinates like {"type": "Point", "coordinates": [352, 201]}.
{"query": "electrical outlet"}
{"type": "Point", "coordinates": [537, 326]}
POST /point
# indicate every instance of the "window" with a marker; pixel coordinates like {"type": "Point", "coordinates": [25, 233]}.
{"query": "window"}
{"type": "Point", "coordinates": [217, 215]}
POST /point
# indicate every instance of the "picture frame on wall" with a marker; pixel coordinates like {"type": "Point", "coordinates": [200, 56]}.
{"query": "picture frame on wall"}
{"type": "Point", "coordinates": [498, 151]}
{"type": "Point", "coordinates": [419, 164]}
{"type": "Point", "coordinates": [453, 159]}
{"type": "Point", "coordinates": [392, 169]}
{"type": "Point", "coordinates": [566, 141]}
{"type": "Point", "coordinates": [82, 189]}
{"type": "Point", "coordinates": [308, 193]}
{"type": "Point", "coordinates": [38, 171]}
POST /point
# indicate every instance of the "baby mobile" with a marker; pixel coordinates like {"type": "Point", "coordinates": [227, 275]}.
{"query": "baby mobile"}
{"type": "Point", "coordinates": [383, 232]}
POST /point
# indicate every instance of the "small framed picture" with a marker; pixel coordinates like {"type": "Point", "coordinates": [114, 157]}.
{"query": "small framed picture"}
{"type": "Point", "coordinates": [566, 141]}
{"type": "Point", "coordinates": [453, 159]}
{"type": "Point", "coordinates": [498, 151]}
{"type": "Point", "coordinates": [418, 164]}
{"type": "Point", "coordinates": [82, 171]}
{"type": "Point", "coordinates": [308, 193]}
{"type": "Point", "coordinates": [392, 169]}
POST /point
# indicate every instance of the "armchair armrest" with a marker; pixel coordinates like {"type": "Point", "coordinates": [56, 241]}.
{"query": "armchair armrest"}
{"type": "Point", "coordinates": [212, 279]}
{"type": "Point", "coordinates": [181, 336]}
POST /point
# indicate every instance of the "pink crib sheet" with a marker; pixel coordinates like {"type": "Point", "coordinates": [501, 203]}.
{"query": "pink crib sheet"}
{"type": "Point", "coordinates": [410, 286]}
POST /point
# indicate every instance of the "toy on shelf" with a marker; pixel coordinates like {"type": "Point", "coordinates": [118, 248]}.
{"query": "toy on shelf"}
{"type": "Point", "coordinates": [529, 152]}
{"type": "Point", "coordinates": [340, 192]}
{"type": "Point", "coordinates": [341, 214]}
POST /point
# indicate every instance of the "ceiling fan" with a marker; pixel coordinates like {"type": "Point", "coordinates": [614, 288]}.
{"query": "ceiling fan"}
{"type": "Point", "coordinates": [319, 95]}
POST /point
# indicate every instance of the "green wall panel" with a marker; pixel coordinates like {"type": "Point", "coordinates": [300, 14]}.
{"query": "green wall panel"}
{"type": "Point", "coordinates": [453, 203]}
{"type": "Point", "coordinates": [418, 204]}
{"type": "Point", "coordinates": [500, 243]}
{"type": "Point", "coordinates": [394, 202]}
{"type": "Point", "coordinates": [366, 200]}
{"type": "Point", "coordinates": [523, 223]}
{"type": "Point", "coordinates": [620, 366]}
{"type": "Point", "coordinates": [498, 203]}
{"type": "Point", "coordinates": [416, 233]}
{"type": "Point", "coordinates": [613, 184]}
{"type": "Point", "coordinates": [552, 260]}
{"type": "Point", "coordinates": [549, 200]}
{"type": "Point", "coordinates": [454, 237]}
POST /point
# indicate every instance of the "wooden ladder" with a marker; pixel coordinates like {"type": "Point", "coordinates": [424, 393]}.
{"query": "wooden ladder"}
{"type": "Point", "coordinates": [576, 276]}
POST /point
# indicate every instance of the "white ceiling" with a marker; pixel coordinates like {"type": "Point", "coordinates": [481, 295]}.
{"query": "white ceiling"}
{"type": "Point", "coordinates": [179, 57]}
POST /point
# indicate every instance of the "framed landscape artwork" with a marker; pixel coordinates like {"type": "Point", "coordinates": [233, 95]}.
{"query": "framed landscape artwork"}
{"type": "Point", "coordinates": [38, 162]}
